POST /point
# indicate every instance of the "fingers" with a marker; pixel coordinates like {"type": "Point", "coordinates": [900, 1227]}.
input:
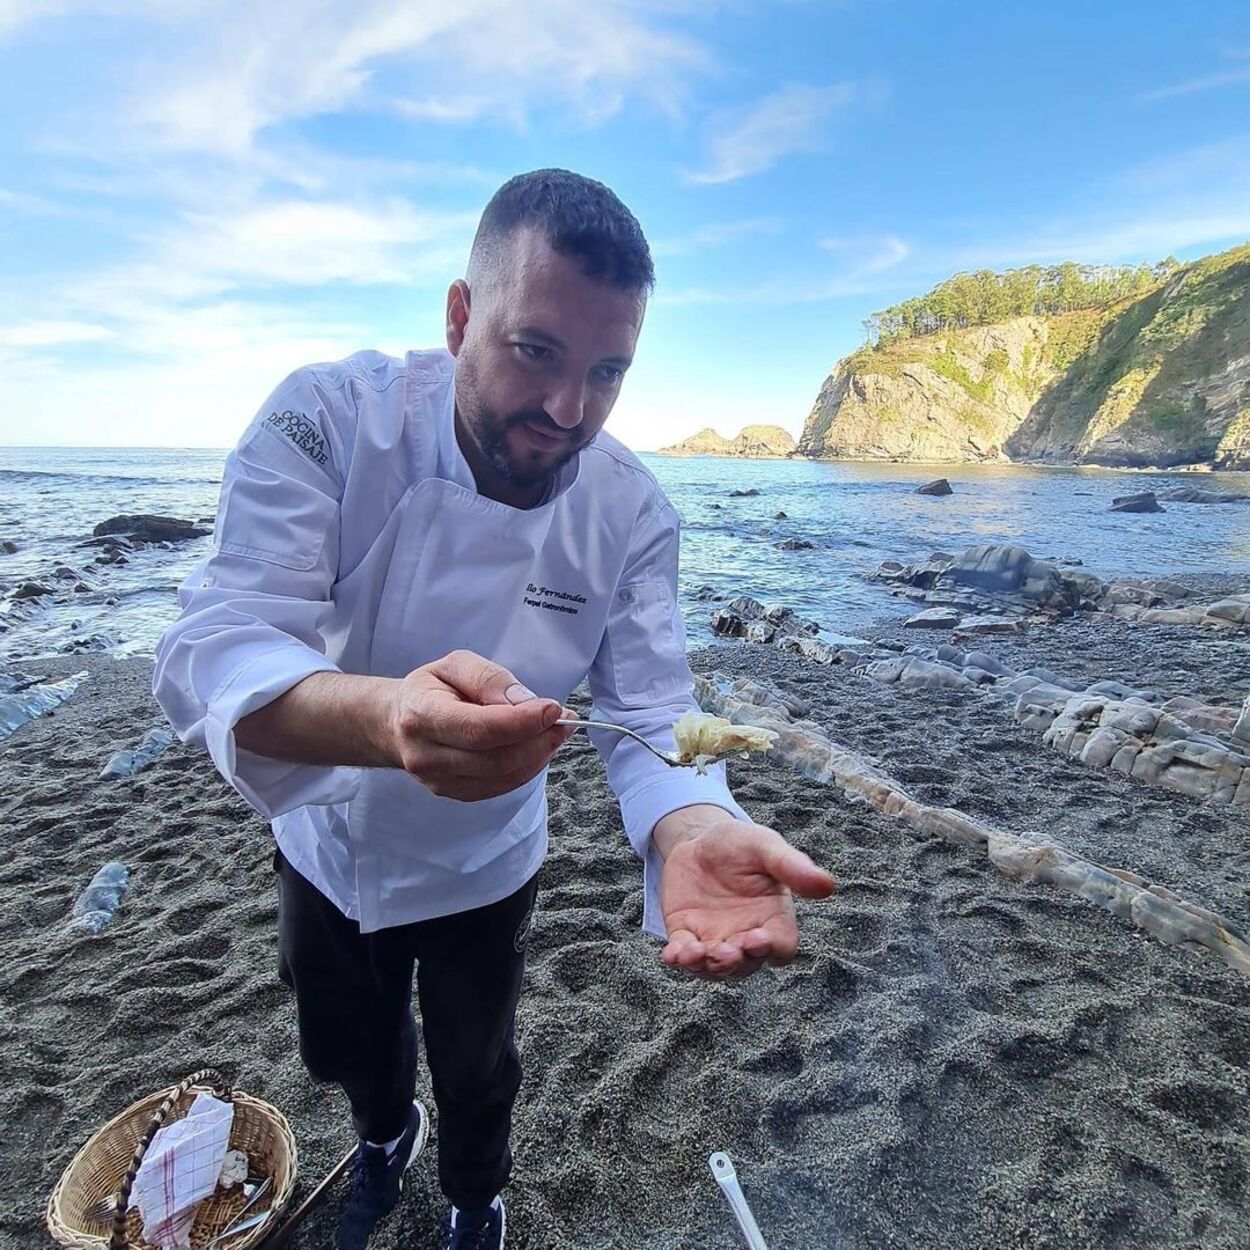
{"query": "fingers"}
{"type": "Point", "coordinates": [430, 761]}
{"type": "Point", "coordinates": [478, 679]}
{"type": "Point", "coordinates": [732, 959]}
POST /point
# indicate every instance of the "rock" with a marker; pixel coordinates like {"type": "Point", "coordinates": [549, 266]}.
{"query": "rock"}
{"type": "Point", "coordinates": [109, 542]}
{"type": "Point", "coordinates": [988, 625]}
{"type": "Point", "coordinates": [1143, 502]}
{"type": "Point", "coordinates": [1234, 611]}
{"type": "Point", "coordinates": [64, 571]}
{"type": "Point", "coordinates": [940, 487]}
{"type": "Point", "coordinates": [746, 607]}
{"type": "Point", "coordinates": [795, 544]}
{"type": "Point", "coordinates": [743, 494]}
{"type": "Point", "coordinates": [1055, 679]}
{"type": "Point", "coordinates": [32, 590]}
{"type": "Point", "coordinates": [706, 594]}
{"type": "Point", "coordinates": [94, 907]}
{"type": "Point", "coordinates": [81, 588]}
{"type": "Point", "coordinates": [1193, 494]}
{"type": "Point", "coordinates": [727, 624]}
{"type": "Point", "coordinates": [992, 567]}
{"type": "Point", "coordinates": [1129, 592]}
{"type": "Point", "coordinates": [127, 762]}
{"type": "Point", "coordinates": [760, 631]}
{"type": "Point", "coordinates": [781, 516]}
{"type": "Point", "coordinates": [990, 663]}
{"type": "Point", "coordinates": [934, 618]}
{"type": "Point", "coordinates": [9, 547]}
{"type": "Point", "coordinates": [913, 671]}
{"type": "Point", "coordinates": [1204, 719]}
{"type": "Point", "coordinates": [150, 529]}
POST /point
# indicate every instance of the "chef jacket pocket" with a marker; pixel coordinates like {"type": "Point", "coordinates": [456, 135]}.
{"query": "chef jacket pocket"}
{"type": "Point", "coordinates": [647, 644]}
{"type": "Point", "coordinates": [270, 516]}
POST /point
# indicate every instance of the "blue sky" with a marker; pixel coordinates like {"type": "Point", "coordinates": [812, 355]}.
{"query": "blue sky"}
{"type": "Point", "coordinates": [197, 196]}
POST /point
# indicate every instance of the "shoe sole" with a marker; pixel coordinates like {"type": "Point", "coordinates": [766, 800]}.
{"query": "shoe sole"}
{"type": "Point", "coordinates": [423, 1131]}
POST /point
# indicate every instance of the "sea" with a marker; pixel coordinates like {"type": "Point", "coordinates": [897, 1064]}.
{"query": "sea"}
{"type": "Point", "coordinates": [855, 515]}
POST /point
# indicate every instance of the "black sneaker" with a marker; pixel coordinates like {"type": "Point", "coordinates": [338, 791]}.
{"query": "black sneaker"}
{"type": "Point", "coordinates": [377, 1179]}
{"type": "Point", "coordinates": [475, 1230]}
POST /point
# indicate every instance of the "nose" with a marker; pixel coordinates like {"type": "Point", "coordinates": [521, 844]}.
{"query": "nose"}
{"type": "Point", "coordinates": [565, 406]}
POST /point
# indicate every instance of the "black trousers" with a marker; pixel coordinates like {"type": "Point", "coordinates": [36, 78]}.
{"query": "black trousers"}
{"type": "Point", "coordinates": [353, 995]}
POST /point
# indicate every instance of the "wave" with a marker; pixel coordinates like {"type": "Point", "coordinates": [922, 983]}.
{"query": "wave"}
{"type": "Point", "coordinates": [131, 479]}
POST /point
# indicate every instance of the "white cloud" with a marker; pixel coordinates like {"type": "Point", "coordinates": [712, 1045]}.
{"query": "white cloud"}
{"type": "Point", "coordinates": [715, 234]}
{"type": "Point", "coordinates": [214, 77]}
{"type": "Point", "coordinates": [876, 253]}
{"type": "Point", "coordinates": [791, 119]}
{"type": "Point", "coordinates": [1234, 77]}
{"type": "Point", "coordinates": [51, 333]}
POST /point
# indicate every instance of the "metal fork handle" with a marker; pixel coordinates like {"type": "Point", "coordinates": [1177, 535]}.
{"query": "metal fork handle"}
{"type": "Point", "coordinates": [727, 1179]}
{"type": "Point", "coordinates": [671, 760]}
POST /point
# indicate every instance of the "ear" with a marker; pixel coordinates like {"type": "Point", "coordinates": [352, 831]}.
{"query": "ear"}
{"type": "Point", "coordinates": [457, 315]}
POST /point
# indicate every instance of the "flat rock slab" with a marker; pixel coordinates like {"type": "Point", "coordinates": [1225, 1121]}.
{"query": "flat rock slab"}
{"type": "Point", "coordinates": [933, 618]}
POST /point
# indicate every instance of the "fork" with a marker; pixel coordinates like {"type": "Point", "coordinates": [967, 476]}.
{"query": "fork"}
{"type": "Point", "coordinates": [671, 758]}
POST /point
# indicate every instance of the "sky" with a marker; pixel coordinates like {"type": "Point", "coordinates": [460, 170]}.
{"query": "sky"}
{"type": "Point", "coordinates": [198, 196]}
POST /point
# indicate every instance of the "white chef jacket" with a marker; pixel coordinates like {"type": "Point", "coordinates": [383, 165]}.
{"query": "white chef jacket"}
{"type": "Point", "coordinates": [351, 538]}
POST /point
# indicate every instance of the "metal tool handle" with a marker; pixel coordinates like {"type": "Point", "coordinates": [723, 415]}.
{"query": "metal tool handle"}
{"type": "Point", "coordinates": [671, 760]}
{"type": "Point", "coordinates": [723, 1169]}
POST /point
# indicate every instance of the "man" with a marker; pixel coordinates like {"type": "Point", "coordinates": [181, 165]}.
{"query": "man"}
{"type": "Point", "coordinates": [415, 563]}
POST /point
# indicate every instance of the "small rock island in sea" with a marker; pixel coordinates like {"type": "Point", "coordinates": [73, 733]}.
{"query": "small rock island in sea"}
{"type": "Point", "coordinates": [754, 442]}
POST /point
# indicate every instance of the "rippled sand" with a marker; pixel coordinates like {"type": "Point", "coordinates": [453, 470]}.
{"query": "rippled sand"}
{"type": "Point", "coordinates": [955, 1060]}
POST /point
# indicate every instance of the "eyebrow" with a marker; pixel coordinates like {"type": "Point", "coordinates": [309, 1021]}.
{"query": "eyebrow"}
{"type": "Point", "coordinates": [549, 340]}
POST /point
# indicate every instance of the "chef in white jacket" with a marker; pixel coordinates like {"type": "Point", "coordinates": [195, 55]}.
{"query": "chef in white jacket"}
{"type": "Point", "coordinates": [416, 561]}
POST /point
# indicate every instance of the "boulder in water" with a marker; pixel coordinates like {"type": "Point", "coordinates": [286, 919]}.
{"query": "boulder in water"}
{"type": "Point", "coordinates": [1143, 502]}
{"type": "Point", "coordinates": [9, 547]}
{"type": "Point", "coordinates": [150, 529]}
{"type": "Point", "coordinates": [795, 544]}
{"type": "Point", "coordinates": [750, 493]}
{"type": "Point", "coordinates": [32, 590]}
{"type": "Point", "coordinates": [940, 487]}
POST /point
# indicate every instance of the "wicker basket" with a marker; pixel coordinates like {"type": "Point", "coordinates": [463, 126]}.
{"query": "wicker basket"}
{"type": "Point", "coordinates": [107, 1164]}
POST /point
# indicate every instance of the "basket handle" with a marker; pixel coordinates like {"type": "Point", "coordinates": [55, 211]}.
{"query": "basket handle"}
{"type": "Point", "coordinates": [205, 1076]}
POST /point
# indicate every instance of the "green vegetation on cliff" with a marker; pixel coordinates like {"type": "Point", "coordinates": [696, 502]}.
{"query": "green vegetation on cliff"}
{"type": "Point", "coordinates": [985, 297]}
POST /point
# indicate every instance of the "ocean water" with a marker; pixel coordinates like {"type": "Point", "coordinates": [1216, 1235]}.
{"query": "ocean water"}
{"type": "Point", "coordinates": [856, 515]}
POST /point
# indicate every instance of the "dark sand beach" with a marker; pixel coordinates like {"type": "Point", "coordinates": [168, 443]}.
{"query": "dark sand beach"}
{"type": "Point", "coordinates": [954, 1060]}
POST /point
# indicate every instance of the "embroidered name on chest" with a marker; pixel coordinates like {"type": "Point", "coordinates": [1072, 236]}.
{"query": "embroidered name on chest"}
{"type": "Point", "coordinates": [544, 597]}
{"type": "Point", "coordinates": [301, 431]}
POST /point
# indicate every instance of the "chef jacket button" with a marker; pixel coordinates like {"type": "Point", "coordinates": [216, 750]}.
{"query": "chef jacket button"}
{"type": "Point", "coordinates": [627, 596]}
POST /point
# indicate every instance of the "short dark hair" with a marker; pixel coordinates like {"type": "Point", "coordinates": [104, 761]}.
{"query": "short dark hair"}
{"type": "Point", "coordinates": [579, 217]}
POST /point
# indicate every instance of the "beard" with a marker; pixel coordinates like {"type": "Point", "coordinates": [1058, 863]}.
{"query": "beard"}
{"type": "Point", "coordinates": [490, 432]}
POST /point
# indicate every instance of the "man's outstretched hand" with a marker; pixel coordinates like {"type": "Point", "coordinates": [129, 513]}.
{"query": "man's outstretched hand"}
{"type": "Point", "coordinates": [727, 893]}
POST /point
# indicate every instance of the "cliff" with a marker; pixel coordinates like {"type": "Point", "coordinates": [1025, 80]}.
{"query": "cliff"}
{"type": "Point", "coordinates": [754, 442]}
{"type": "Point", "coordinates": [1159, 379]}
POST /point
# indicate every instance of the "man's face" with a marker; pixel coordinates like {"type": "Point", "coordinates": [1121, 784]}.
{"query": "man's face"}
{"type": "Point", "coordinates": [540, 353]}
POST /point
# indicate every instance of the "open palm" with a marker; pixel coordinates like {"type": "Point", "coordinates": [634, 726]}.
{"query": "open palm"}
{"type": "Point", "coordinates": [727, 898]}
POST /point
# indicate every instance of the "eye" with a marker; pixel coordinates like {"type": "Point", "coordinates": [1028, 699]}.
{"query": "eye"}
{"type": "Point", "coordinates": [532, 351]}
{"type": "Point", "coordinates": [610, 374]}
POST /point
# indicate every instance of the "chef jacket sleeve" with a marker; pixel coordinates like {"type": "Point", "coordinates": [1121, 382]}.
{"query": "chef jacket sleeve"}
{"type": "Point", "coordinates": [252, 612]}
{"type": "Point", "coordinates": [641, 679]}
